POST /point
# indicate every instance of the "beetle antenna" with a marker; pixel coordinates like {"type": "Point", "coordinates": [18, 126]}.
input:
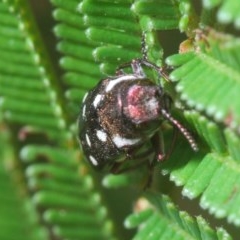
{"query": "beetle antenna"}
{"type": "Point", "coordinates": [182, 129]}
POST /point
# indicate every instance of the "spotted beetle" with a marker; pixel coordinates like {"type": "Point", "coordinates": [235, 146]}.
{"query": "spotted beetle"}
{"type": "Point", "coordinates": [120, 119]}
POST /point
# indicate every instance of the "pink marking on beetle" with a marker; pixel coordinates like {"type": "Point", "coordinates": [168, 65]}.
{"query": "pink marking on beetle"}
{"type": "Point", "coordinates": [142, 103]}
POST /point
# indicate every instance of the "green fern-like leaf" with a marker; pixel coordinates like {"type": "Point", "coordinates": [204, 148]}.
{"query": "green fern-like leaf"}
{"type": "Point", "coordinates": [228, 11]}
{"type": "Point", "coordinates": [39, 110]}
{"type": "Point", "coordinates": [212, 87]}
{"type": "Point", "coordinates": [162, 220]}
{"type": "Point", "coordinates": [65, 198]}
{"type": "Point", "coordinates": [18, 217]}
{"type": "Point", "coordinates": [26, 78]}
{"type": "Point", "coordinates": [77, 50]}
{"type": "Point", "coordinates": [215, 85]}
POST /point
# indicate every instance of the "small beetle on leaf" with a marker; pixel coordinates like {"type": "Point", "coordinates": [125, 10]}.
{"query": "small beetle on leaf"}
{"type": "Point", "coordinates": [120, 120]}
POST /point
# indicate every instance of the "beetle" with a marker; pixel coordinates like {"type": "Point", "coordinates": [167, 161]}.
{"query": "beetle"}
{"type": "Point", "coordinates": [120, 120]}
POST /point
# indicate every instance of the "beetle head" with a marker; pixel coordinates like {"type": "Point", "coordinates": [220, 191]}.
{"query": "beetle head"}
{"type": "Point", "coordinates": [143, 103]}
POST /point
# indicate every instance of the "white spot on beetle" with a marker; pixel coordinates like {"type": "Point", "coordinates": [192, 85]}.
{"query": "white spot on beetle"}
{"type": "Point", "coordinates": [152, 104]}
{"type": "Point", "coordinates": [122, 142]}
{"type": "Point", "coordinates": [114, 82]}
{"type": "Point", "coordinates": [84, 97]}
{"type": "Point", "coordinates": [88, 140]}
{"type": "Point", "coordinates": [101, 135]}
{"type": "Point", "coordinates": [97, 100]}
{"type": "Point", "coordinates": [84, 111]}
{"type": "Point", "coordinates": [93, 160]}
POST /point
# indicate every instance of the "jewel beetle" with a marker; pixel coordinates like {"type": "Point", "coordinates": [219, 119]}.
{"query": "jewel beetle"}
{"type": "Point", "coordinates": [120, 119]}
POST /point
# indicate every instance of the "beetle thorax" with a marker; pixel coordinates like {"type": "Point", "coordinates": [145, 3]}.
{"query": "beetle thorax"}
{"type": "Point", "coordinates": [142, 103]}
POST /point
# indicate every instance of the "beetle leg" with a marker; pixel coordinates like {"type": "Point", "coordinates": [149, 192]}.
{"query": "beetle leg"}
{"type": "Point", "coordinates": [158, 144]}
{"type": "Point", "coordinates": [122, 66]}
{"type": "Point", "coordinates": [137, 68]}
{"type": "Point", "coordinates": [160, 154]}
{"type": "Point", "coordinates": [136, 65]}
{"type": "Point", "coordinates": [173, 141]}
